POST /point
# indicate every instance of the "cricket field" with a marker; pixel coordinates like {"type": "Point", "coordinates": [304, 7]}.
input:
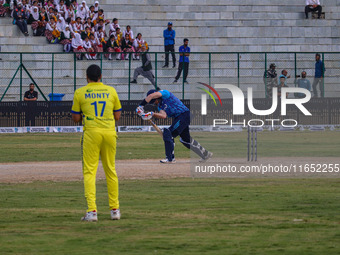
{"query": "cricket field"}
{"type": "Point", "coordinates": [164, 209]}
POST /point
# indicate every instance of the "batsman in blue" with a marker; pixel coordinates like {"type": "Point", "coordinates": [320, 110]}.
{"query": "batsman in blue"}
{"type": "Point", "coordinates": [169, 106]}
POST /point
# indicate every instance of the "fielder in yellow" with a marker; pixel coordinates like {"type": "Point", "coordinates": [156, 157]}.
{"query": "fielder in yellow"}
{"type": "Point", "coordinates": [98, 106]}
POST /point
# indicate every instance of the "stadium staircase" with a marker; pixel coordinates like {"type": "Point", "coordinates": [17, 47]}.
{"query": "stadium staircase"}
{"type": "Point", "coordinates": [217, 26]}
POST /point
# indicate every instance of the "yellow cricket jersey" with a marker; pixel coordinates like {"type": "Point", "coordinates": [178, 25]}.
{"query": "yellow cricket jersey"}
{"type": "Point", "coordinates": [96, 102]}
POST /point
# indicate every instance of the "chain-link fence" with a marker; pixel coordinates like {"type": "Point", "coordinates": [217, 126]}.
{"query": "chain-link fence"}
{"type": "Point", "coordinates": [62, 73]}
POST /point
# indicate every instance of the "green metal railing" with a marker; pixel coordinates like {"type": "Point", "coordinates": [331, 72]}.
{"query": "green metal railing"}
{"type": "Point", "coordinates": [63, 73]}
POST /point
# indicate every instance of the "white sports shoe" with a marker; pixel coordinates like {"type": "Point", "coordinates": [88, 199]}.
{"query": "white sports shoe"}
{"type": "Point", "coordinates": [202, 160]}
{"type": "Point", "coordinates": [166, 161]}
{"type": "Point", "coordinates": [90, 216]}
{"type": "Point", "coordinates": [115, 214]}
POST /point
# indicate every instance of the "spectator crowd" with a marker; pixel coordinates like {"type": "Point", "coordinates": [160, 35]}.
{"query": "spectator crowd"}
{"type": "Point", "coordinates": [78, 27]}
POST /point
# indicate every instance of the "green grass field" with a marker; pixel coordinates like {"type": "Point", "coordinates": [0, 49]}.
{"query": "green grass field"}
{"type": "Point", "coordinates": [66, 147]}
{"type": "Point", "coordinates": [174, 216]}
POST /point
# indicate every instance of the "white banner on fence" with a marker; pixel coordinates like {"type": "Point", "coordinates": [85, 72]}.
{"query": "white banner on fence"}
{"type": "Point", "coordinates": [200, 128]}
{"type": "Point", "coordinates": [10, 130]}
{"type": "Point", "coordinates": [38, 130]}
{"type": "Point", "coordinates": [335, 128]}
{"type": "Point", "coordinates": [77, 129]}
{"type": "Point", "coordinates": [64, 129]}
{"type": "Point", "coordinates": [133, 129]}
{"type": "Point", "coordinates": [152, 129]}
{"type": "Point", "coordinates": [226, 129]}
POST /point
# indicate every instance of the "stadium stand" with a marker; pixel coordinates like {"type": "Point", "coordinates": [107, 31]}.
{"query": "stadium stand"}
{"type": "Point", "coordinates": [212, 26]}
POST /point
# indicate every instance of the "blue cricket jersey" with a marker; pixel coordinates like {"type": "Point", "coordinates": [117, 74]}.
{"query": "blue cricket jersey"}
{"type": "Point", "coordinates": [171, 104]}
{"type": "Point", "coordinates": [184, 50]}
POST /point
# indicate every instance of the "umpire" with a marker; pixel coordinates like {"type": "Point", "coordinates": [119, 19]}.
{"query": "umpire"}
{"type": "Point", "coordinates": [145, 69]}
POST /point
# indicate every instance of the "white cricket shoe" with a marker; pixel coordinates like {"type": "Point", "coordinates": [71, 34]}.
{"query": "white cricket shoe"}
{"type": "Point", "coordinates": [166, 161]}
{"type": "Point", "coordinates": [90, 216]}
{"type": "Point", "coordinates": [115, 214]}
{"type": "Point", "coordinates": [202, 160]}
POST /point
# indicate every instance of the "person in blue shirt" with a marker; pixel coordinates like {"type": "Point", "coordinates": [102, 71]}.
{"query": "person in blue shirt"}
{"type": "Point", "coordinates": [319, 74]}
{"type": "Point", "coordinates": [303, 83]}
{"type": "Point", "coordinates": [284, 74]}
{"type": "Point", "coordinates": [169, 45]}
{"type": "Point", "coordinates": [170, 106]}
{"type": "Point", "coordinates": [183, 60]}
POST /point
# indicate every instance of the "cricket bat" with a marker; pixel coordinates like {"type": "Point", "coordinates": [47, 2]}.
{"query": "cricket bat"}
{"type": "Point", "coordinates": [159, 131]}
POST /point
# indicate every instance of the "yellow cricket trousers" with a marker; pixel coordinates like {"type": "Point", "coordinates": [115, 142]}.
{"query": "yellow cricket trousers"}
{"type": "Point", "coordinates": [95, 143]}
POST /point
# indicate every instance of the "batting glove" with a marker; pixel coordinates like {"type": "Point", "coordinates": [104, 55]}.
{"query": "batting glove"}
{"type": "Point", "coordinates": [140, 110]}
{"type": "Point", "coordinates": [147, 116]}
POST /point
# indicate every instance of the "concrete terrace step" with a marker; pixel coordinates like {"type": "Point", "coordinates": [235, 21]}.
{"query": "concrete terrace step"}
{"type": "Point", "coordinates": [246, 32]}
{"type": "Point", "coordinates": [205, 8]}
{"type": "Point", "coordinates": [212, 16]}
{"type": "Point", "coordinates": [6, 21]}
{"type": "Point", "coordinates": [29, 40]}
{"type": "Point", "coordinates": [211, 2]}
{"type": "Point", "coordinates": [32, 48]}
{"type": "Point", "coordinates": [229, 62]}
{"type": "Point", "coordinates": [208, 42]}
{"type": "Point", "coordinates": [10, 30]}
{"type": "Point", "coordinates": [206, 37]}
{"type": "Point", "coordinates": [226, 12]}
{"type": "Point", "coordinates": [216, 23]}
{"type": "Point", "coordinates": [219, 48]}
{"type": "Point", "coordinates": [229, 23]}
{"type": "Point", "coordinates": [257, 29]}
{"type": "Point", "coordinates": [227, 44]}
{"type": "Point", "coordinates": [292, 47]}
